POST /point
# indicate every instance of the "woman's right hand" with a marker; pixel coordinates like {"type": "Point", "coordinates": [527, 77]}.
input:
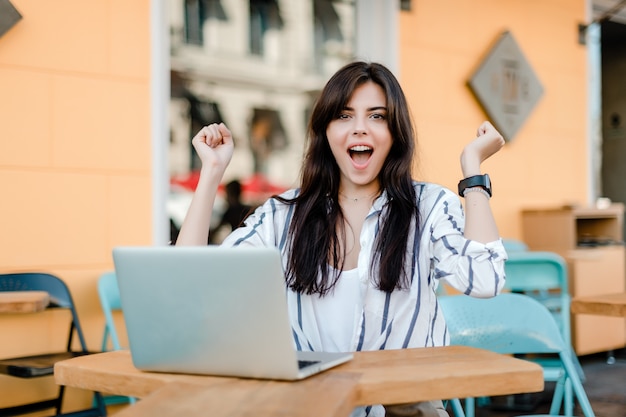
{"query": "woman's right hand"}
{"type": "Point", "coordinates": [214, 145]}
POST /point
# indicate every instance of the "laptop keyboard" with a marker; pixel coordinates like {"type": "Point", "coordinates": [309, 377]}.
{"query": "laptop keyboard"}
{"type": "Point", "coordinates": [304, 364]}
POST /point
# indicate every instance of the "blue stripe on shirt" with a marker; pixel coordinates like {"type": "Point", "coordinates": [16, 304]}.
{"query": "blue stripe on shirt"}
{"type": "Point", "coordinates": [252, 231]}
{"type": "Point", "coordinates": [470, 277]}
{"type": "Point", "coordinates": [285, 235]}
{"type": "Point", "coordinates": [362, 336]}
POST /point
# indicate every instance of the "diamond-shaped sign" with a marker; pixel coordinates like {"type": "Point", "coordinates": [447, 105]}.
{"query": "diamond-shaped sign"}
{"type": "Point", "coordinates": [9, 16]}
{"type": "Point", "coordinates": [506, 86]}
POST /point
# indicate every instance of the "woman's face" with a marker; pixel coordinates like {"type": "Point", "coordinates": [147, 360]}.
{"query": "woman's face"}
{"type": "Point", "coordinates": [360, 139]}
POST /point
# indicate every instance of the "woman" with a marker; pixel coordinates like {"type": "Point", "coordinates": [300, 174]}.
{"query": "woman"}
{"type": "Point", "coordinates": [364, 245]}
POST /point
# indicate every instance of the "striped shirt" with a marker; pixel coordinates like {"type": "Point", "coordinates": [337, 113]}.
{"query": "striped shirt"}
{"type": "Point", "coordinates": [403, 318]}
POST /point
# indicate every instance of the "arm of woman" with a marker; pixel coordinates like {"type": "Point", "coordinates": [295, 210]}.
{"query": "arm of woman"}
{"type": "Point", "coordinates": [214, 146]}
{"type": "Point", "coordinates": [471, 267]}
{"type": "Point", "coordinates": [479, 222]}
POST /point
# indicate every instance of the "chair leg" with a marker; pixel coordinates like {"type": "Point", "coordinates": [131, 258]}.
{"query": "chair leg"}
{"type": "Point", "coordinates": [100, 404]}
{"type": "Point", "coordinates": [557, 398]}
{"type": "Point", "coordinates": [59, 404]}
{"type": "Point", "coordinates": [568, 406]}
{"type": "Point", "coordinates": [579, 390]}
{"type": "Point", "coordinates": [577, 365]}
{"type": "Point", "coordinates": [470, 407]}
{"type": "Point", "coordinates": [457, 408]}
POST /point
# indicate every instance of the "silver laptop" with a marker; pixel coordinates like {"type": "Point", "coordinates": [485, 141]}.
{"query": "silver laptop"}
{"type": "Point", "coordinates": [211, 310]}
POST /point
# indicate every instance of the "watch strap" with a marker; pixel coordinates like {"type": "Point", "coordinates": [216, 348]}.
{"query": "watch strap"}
{"type": "Point", "coordinates": [482, 181]}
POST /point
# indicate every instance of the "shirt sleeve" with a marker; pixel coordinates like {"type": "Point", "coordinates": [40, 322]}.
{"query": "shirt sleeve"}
{"type": "Point", "coordinates": [266, 226]}
{"type": "Point", "coordinates": [471, 267]}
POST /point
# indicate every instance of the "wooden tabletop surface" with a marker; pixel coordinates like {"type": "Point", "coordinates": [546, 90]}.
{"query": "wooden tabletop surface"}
{"type": "Point", "coordinates": [377, 377]}
{"type": "Point", "coordinates": [23, 301]}
{"type": "Point", "coordinates": [328, 395]}
{"type": "Point", "coordinates": [605, 305]}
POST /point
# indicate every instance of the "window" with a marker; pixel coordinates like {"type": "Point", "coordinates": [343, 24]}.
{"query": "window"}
{"type": "Point", "coordinates": [267, 135]}
{"type": "Point", "coordinates": [197, 12]}
{"type": "Point", "coordinates": [264, 15]}
{"type": "Point", "coordinates": [194, 20]}
{"type": "Point", "coordinates": [201, 113]}
{"type": "Point", "coordinates": [334, 27]}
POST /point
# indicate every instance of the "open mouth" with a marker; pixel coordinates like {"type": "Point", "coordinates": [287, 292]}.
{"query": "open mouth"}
{"type": "Point", "coordinates": [360, 154]}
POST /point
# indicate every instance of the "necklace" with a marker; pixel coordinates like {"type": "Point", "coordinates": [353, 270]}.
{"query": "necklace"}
{"type": "Point", "coordinates": [356, 199]}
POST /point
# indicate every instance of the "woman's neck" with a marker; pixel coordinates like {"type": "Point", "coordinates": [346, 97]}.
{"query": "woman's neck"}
{"type": "Point", "coordinates": [359, 194]}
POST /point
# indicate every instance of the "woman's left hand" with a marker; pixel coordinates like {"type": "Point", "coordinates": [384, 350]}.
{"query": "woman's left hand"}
{"type": "Point", "coordinates": [488, 141]}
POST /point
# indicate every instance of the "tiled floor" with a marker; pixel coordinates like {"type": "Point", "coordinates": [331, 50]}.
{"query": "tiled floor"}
{"type": "Point", "coordinates": [605, 385]}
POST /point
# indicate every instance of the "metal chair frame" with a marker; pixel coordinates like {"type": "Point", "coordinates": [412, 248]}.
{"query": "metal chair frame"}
{"type": "Point", "coordinates": [109, 295]}
{"type": "Point", "coordinates": [41, 365]}
{"type": "Point", "coordinates": [514, 324]}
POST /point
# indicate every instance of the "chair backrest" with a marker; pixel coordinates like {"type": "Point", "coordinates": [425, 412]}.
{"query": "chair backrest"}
{"type": "Point", "coordinates": [508, 323]}
{"type": "Point", "coordinates": [514, 245]}
{"type": "Point", "coordinates": [542, 275]}
{"type": "Point", "coordinates": [536, 271]}
{"type": "Point", "coordinates": [109, 295]}
{"type": "Point", "coordinates": [60, 296]}
{"type": "Point", "coordinates": [513, 323]}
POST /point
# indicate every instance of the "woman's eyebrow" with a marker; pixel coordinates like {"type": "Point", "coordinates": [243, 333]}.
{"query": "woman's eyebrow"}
{"type": "Point", "coordinates": [368, 109]}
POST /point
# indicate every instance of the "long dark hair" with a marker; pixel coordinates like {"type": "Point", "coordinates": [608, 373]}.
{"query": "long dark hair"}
{"type": "Point", "coordinates": [314, 242]}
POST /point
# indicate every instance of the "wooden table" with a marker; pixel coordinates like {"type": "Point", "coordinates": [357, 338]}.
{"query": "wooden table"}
{"type": "Point", "coordinates": [605, 305]}
{"type": "Point", "coordinates": [23, 301]}
{"type": "Point", "coordinates": [378, 377]}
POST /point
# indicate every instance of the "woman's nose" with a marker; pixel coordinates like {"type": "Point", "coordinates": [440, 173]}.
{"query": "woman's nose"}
{"type": "Point", "coordinates": [359, 127]}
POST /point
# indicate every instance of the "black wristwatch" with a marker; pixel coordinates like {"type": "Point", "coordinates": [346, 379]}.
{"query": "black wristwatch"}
{"type": "Point", "coordinates": [481, 181]}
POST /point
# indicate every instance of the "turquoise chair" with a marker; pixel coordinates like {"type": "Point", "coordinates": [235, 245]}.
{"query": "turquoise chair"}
{"type": "Point", "coordinates": [109, 295]}
{"type": "Point", "coordinates": [544, 276]}
{"type": "Point", "coordinates": [515, 324]}
{"type": "Point", "coordinates": [514, 245]}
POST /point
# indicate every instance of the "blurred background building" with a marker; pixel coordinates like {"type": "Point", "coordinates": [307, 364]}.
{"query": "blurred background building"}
{"type": "Point", "coordinates": [257, 66]}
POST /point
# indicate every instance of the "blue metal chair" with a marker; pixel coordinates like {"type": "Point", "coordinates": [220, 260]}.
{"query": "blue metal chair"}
{"type": "Point", "coordinates": [514, 324]}
{"type": "Point", "coordinates": [43, 364]}
{"type": "Point", "coordinates": [109, 295]}
{"type": "Point", "coordinates": [544, 276]}
{"type": "Point", "coordinates": [514, 245]}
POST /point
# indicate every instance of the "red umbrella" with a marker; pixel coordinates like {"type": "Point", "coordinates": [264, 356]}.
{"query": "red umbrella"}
{"type": "Point", "coordinates": [188, 181]}
{"type": "Point", "coordinates": [256, 188]}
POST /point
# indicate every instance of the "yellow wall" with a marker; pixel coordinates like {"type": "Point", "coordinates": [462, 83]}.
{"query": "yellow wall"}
{"type": "Point", "coordinates": [441, 44]}
{"type": "Point", "coordinates": [75, 155]}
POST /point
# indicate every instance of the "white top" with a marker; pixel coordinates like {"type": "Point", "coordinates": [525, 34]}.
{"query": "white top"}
{"type": "Point", "coordinates": [341, 311]}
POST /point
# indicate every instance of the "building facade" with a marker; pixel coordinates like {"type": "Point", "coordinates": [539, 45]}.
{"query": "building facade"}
{"type": "Point", "coordinates": [257, 66]}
